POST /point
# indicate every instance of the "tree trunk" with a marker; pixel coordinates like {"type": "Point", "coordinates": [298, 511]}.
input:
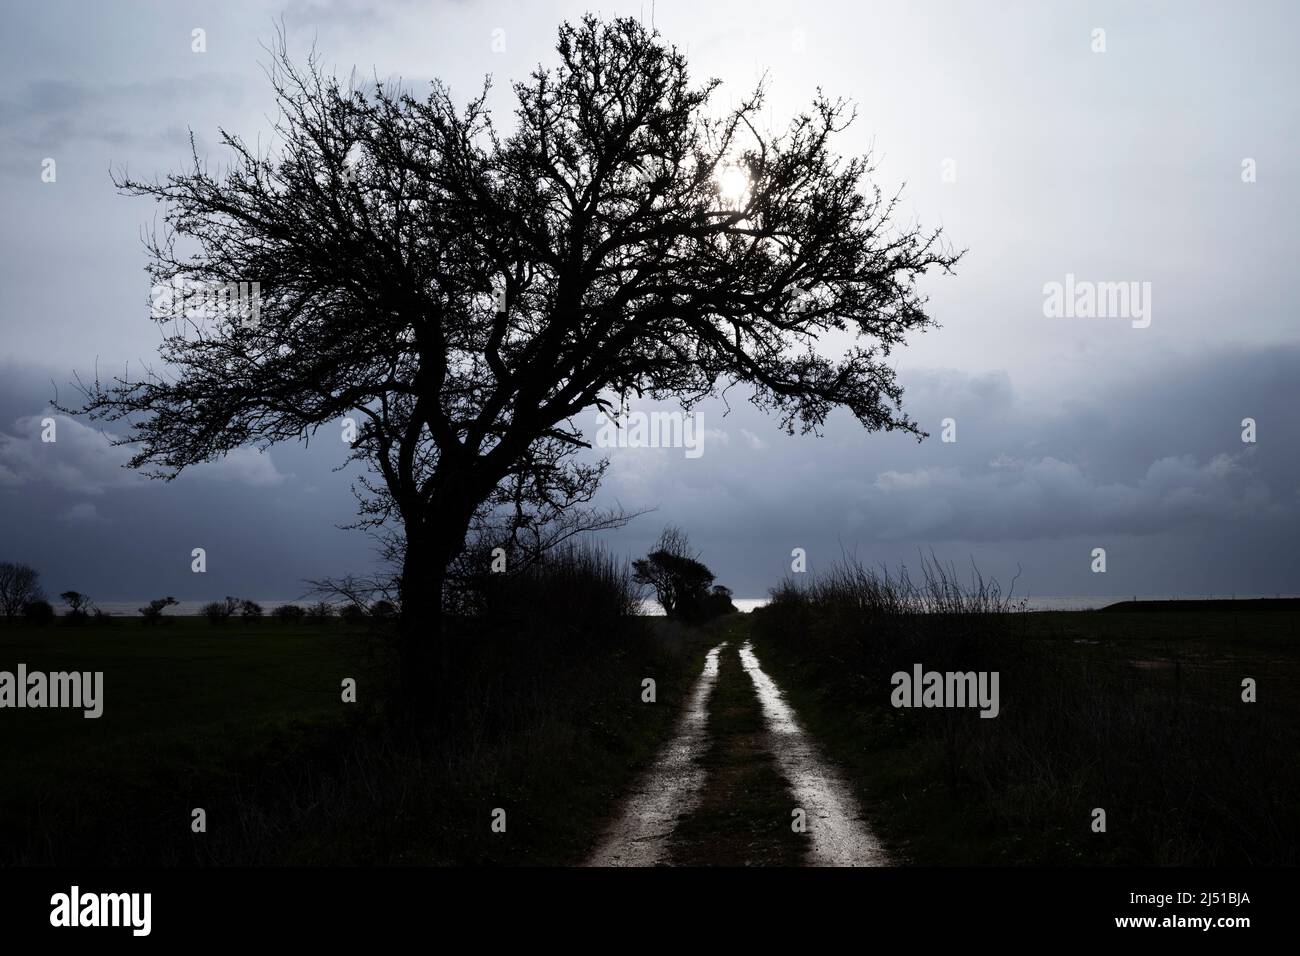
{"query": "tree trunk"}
{"type": "Point", "coordinates": [430, 549]}
{"type": "Point", "coordinates": [421, 626]}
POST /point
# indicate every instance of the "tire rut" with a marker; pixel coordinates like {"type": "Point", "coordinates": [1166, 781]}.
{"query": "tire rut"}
{"type": "Point", "coordinates": [737, 775]}
{"type": "Point", "coordinates": [743, 815]}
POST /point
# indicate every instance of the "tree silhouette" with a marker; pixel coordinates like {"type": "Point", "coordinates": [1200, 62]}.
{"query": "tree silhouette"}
{"type": "Point", "coordinates": [466, 293]}
{"type": "Point", "coordinates": [79, 605]}
{"type": "Point", "coordinates": [19, 586]}
{"type": "Point", "coordinates": [674, 571]}
{"type": "Point", "coordinates": [153, 611]}
{"type": "Point", "coordinates": [681, 582]}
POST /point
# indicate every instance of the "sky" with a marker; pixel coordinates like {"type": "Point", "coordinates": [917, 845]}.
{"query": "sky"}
{"type": "Point", "coordinates": [1152, 143]}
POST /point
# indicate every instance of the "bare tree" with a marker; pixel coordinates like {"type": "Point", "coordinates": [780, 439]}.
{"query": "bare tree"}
{"type": "Point", "coordinates": [19, 585]}
{"type": "Point", "coordinates": [674, 570]}
{"type": "Point", "coordinates": [467, 293]}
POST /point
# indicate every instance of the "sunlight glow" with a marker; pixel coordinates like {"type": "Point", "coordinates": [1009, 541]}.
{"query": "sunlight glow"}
{"type": "Point", "coordinates": [733, 186]}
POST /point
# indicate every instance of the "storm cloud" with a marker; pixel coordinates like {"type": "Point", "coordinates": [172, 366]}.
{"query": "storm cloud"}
{"type": "Point", "coordinates": [1040, 156]}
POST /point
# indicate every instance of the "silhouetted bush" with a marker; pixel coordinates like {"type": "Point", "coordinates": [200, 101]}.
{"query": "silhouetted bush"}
{"type": "Point", "coordinates": [717, 602]}
{"type": "Point", "coordinates": [218, 612]}
{"type": "Point", "coordinates": [383, 610]}
{"type": "Point", "coordinates": [571, 591]}
{"type": "Point", "coordinates": [352, 614]}
{"type": "Point", "coordinates": [38, 612]}
{"type": "Point", "coordinates": [288, 614]}
{"type": "Point", "coordinates": [320, 611]}
{"type": "Point", "coordinates": [153, 611]}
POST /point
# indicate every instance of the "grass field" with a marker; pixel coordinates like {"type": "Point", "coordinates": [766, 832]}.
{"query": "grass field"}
{"type": "Point", "coordinates": [248, 723]}
{"type": "Point", "coordinates": [1139, 714]}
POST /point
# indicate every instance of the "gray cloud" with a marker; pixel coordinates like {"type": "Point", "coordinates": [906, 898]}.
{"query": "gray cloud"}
{"type": "Point", "coordinates": [53, 114]}
{"type": "Point", "coordinates": [1072, 434]}
{"type": "Point", "coordinates": [1148, 461]}
{"type": "Point", "coordinates": [84, 460]}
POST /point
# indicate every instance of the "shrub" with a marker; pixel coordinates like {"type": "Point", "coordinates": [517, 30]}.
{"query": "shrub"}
{"type": "Point", "coordinates": [320, 611]}
{"type": "Point", "coordinates": [218, 612]}
{"type": "Point", "coordinates": [352, 614]}
{"type": "Point", "coordinates": [717, 602]}
{"type": "Point", "coordinates": [153, 611]}
{"type": "Point", "coordinates": [288, 614]}
{"type": "Point", "coordinates": [587, 588]}
{"type": "Point", "coordinates": [38, 612]}
{"type": "Point", "coordinates": [383, 610]}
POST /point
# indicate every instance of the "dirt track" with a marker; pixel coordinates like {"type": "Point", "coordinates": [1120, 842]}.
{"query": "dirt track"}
{"type": "Point", "coordinates": [736, 780]}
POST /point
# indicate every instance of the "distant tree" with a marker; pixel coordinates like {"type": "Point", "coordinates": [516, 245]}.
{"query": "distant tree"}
{"type": "Point", "coordinates": [288, 614]}
{"type": "Point", "coordinates": [467, 294]}
{"type": "Point", "coordinates": [19, 586]}
{"type": "Point", "coordinates": [352, 613]}
{"type": "Point", "coordinates": [680, 581]}
{"type": "Point", "coordinates": [718, 602]}
{"type": "Point", "coordinates": [383, 610]}
{"type": "Point", "coordinates": [356, 589]}
{"type": "Point", "coordinates": [219, 612]}
{"type": "Point", "coordinates": [320, 611]}
{"type": "Point", "coordinates": [153, 611]}
{"type": "Point", "coordinates": [79, 605]}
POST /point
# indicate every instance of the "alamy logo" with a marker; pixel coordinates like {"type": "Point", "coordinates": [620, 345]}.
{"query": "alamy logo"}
{"type": "Point", "coordinates": [75, 908]}
{"type": "Point", "coordinates": [651, 430]}
{"type": "Point", "coordinates": [57, 689]}
{"type": "Point", "coordinates": [239, 303]}
{"type": "Point", "coordinates": [1081, 299]}
{"type": "Point", "coordinates": [922, 688]}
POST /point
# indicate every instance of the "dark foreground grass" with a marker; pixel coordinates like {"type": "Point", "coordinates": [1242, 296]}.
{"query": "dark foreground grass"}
{"type": "Point", "coordinates": [247, 722]}
{"type": "Point", "coordinates": [1138, 714]}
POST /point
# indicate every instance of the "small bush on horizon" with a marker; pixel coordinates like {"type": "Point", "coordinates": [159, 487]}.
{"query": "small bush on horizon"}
{"type": "Point", "coordinates": [320, 611]}
{"type": "Point", "coordinates": [38, 612]}
{"type": "Point", "coordinates": [288, 614]}
{"type": "Point", "coordinates": [383, 610]}
{"type": "Point", "coordinates": [153, 611]}
{"type": "Point", "coordinates": [218, 612]}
